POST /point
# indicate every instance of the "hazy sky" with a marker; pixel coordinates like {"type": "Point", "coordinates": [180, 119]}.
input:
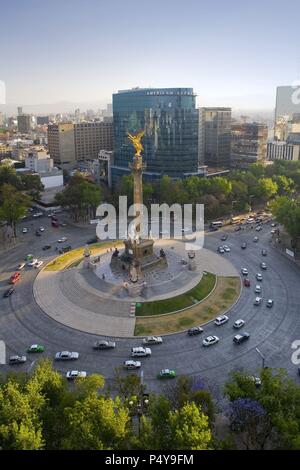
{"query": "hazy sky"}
{"type": "Point", "coordinates": [231, 52]}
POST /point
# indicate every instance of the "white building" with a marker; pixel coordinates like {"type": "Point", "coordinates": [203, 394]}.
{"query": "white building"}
{"type": "Point", "coordinates": [38, 160]}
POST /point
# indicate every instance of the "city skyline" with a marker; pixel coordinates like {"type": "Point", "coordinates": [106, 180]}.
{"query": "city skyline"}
{"type": "Point", "coordinates": [89, 52]}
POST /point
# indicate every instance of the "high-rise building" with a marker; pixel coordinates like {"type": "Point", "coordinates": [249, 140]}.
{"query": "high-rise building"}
{"type": "Point", "coordinates": [42, 120]}
{"type": "Point", "coordinates": [287, 104]}
{"type": "Point", "coordinates": [249, 143]}
{"type": "Point", "coordinates": [91, 137]}
{"type": "Point", "coordinates": [20, 110]}
{"type": "Point", "coordinates": [61, 143]}
{"type": "Point", "coordinates": [283, 151]}
{"type": "Point", "coordinates": [170, 121]}
{"type": "Point", "coordinates": [214, 135]}
{"type": "Point", "coordinates": [24, 123]}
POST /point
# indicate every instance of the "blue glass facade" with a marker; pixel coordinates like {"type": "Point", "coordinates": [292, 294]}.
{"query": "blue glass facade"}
{"type": "Point", "coordinates": [170, 121]}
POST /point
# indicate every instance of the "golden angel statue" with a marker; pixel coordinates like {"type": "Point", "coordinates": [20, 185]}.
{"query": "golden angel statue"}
{"type": "Point", "coordinates": [136, 141]}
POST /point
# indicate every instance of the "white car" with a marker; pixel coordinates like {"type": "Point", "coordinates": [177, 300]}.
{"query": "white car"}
{"type": "Point", "coordinates": [152, 340]}
{"type": "Point", "coordinates": [21, 266]}
{"type": "Point", "coordinates": [130, 365]}
{"type": "Point", "coordinates": [239, 323]}
{"type": "Point", "coordinates": [38, 264]}
{"type": "Point", "coordinates": [66, 356]}
{"type": "Point", "coordinates": [244, 271]}
{"type": "Point", "coordinates": [140, 352]}
{"type": "Point", "coordinates": [32, 262]}
{"type": "Point", "coordinates": [273, 231]}
{"type": "Point", "coordinates": [75, 374]}
{"type": "Point", "coordinates": [24, 230]}
{"type": "Point", "coordinates": [257, 300]}
{"type": "Point", "coordinates": [226, 248]}
{"type": "Point", "coordinates": [257, 289]}
{"type": "Point", "coordinates": [259, 277]}
{"type": "Point", "coordinates": [255, 239]}
{"type": "Point", "coordinates": [62, 239]}
{"type": "Point", "coordinates": [210, 340]}
{"type": "Point", "coordinates": [263, 265]}
{"type": "Point", "coordinates": [250, 220]}
{"type": "Point", "coordinates": [42, 229]}
{"type": "Point", "coordinates": [38, 214]}
{"type": "Point", "coordinates": [221, 320]}
{"type": "Point", "coordinates": [221, 249]}
{"type": "Point", "coordinates": [258, 228]}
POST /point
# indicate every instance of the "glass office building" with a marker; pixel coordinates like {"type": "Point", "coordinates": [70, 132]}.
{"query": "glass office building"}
{"type": "Point", "coordinates": [170, 121]}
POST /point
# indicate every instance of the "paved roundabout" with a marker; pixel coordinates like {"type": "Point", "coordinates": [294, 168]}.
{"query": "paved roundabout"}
{"type": "Point", "coordinates": [81, 299]}
{"type": "Point", "coordinates": [23, 321]}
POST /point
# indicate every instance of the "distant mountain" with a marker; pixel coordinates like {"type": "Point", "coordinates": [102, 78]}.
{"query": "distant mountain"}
{"type": "Point", "coordinates": [53, 108]}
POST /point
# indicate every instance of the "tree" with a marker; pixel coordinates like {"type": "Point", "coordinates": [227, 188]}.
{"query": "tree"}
{"type": "Point", "coordinates": [14, 206]}
{"type": "Point", "coordinates": [8, 175]}
{"type": "Point", "coordinates": [287, 212]}
{"type": "Point", "coordinates": [32, 185]}
{"type": "Point", "coordinates": [126, 385]}
{"type": "Point", "coordinates": [265, 189]}
{"type": "Point", "coordinates": [189, 428]}
{"type": "Point", "coordinates": [279, 397]}
{"type": "Point", "coordinates": [20, 426]}
{"type": "Point", "coordinates": [96, 423]}
{"type": "Point", "coordinates": [81, 197]}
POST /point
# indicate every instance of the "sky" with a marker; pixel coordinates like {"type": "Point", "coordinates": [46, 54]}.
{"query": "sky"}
{"type": "Point", "coordinates": [232, 53]}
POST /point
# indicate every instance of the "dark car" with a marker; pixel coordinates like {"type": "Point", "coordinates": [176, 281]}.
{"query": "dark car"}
{"type": "Point", "coordinates": [46, 247]}
{"type": "Point", "coordinates": [247, 282]}
{"type": "Point", "coordinates": [240, 338]}
{"type": "Point", "coordinates": [92, 240]}
{"type": "Point", "coordinates": [224, 237]}
{"type": "Point", "coordinates": [9, 292]}
{"type": "Point", "coordinates": [237, 228]}
{"type": "Point", "coordinates": [104, 345]}
{"type": "Point", "coordinates": [196, 330]}
{"type": "Point", "coordinates": [38, 233]}
{"type": "Point", "coordinates": [65, 249]}
{"type": "Point", "coordinates": [264, 252]}
{"type": "Point", "coordinates": [244, 245]}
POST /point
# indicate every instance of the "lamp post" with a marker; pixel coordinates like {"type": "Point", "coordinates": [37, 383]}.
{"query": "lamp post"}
{"type": "Point", "coordinates": [141, 403]}
{"type": "Point", "coordinates": [262, 356]}
{"type": "Point", "coordinates": [232, 205]}
{"type": "Point", "coordinates": [250, 199]}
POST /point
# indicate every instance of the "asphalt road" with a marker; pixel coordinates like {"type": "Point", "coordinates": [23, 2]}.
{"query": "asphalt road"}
{"type": "Point", "coordinates": [272, 330]}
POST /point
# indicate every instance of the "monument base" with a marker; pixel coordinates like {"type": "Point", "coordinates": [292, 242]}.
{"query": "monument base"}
{"type": "Point", "coordinates": [138, 256]}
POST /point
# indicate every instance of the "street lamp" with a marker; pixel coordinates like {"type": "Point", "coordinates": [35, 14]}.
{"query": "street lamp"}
{"type": "Point", "coordinates": [262, 356]}
{"type": "Point", "coordinates": [232, 205]}
{"type": "Point", "coordinates": [250, 198]}
{"type": "Point", "coordinates": [142, 402]}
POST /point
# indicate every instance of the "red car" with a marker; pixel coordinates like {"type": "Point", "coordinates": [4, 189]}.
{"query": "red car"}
{"type": "Point", "coordinates": [247, 282]}
{"type": "Point", "coordinates": [14, 278]}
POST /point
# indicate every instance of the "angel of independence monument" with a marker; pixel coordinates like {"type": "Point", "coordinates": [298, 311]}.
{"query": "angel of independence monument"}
{"type": "Point", "coordinates": [138, 255]}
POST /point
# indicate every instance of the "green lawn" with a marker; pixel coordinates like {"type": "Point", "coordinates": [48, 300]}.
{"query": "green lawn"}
{"type": "Point", "coordinates": [199, 292]}
{"type": "Point", "coordinates": [71, 257]}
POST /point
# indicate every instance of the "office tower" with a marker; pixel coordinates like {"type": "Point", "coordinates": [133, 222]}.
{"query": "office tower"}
{"type": "Point", "coordinates": [249, 143]}
{"type": "Point", "coordinates": [283, 151]}
{"type": "Point", "coordinates": [61, 143]}
{"type": "Point", "coordinates": [91, 137]}
{"type": "Point", "coordinates": [214, 135]}
{"type": "Point", "coordinates": [24, 123]}
{"type": "Point", "coordinates": [170, 121]}
{"type": "Point", "coordinates": [42, 120]}
{"type": "Point", "coordinates": [287, 104]}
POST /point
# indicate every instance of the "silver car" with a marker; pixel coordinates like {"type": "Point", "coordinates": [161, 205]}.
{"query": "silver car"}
{"type": "Point", "coordinates": [74, 374]}
{"type": "Point", "coordinates": [152, 340]}
{"type": "Point", "coordinates": [210, 340]}
{"type": "Point", "coordinates": [66, 356]}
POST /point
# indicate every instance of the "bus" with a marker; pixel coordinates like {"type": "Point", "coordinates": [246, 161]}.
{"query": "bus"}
{"type": "Point", "coordinates": [217, 224]}
{"type": "Point", "coordinates": [237, 220]}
